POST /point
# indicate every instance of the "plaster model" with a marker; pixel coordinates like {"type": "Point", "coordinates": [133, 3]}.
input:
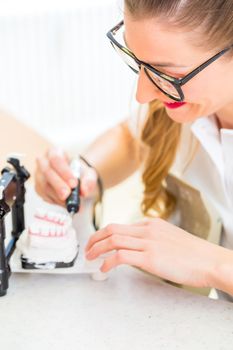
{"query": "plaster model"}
{"type": "Point", "coordinates": [49, 242]}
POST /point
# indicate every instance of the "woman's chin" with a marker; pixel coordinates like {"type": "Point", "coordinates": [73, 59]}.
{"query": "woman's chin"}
{"type": "Point", "coordinates": [184, 114]}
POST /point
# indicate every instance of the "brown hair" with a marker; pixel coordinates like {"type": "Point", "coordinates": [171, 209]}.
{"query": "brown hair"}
{"type": "Point", "coordinates": [161, 136]}
{"type": "Point", "coordinates": [214, 20]}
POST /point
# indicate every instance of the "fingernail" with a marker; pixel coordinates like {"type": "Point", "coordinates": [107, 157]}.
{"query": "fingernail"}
{"type": "Point", "coordinates": [102, 269]}
{"type": "Point", "coordinates": [64, 192]}
{"type": "Point", "coordinates": [88, 254]}
{"type": "Point", "coordinates": [72, 183]}
{"type": "Point", "coordinates": [58, 151]}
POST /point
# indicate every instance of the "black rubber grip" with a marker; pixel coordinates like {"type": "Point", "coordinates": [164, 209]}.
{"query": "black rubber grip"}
{"type": "Point", "coordinates": [73, 201]}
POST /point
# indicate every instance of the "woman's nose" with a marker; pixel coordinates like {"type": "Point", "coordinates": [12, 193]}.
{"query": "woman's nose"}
{"type": "Point", "coordinates": [146, 91]}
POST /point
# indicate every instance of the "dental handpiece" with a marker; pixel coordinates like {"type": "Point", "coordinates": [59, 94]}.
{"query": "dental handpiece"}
{"type": "Point", "coordinates": [73, 201]}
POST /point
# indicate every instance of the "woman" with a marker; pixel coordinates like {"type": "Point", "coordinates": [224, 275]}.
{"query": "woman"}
{"type": "Point", "coordinates": [182, 53]}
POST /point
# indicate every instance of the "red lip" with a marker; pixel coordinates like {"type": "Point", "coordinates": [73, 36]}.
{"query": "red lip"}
{"type": "Point", "coordinates": [174, 105]}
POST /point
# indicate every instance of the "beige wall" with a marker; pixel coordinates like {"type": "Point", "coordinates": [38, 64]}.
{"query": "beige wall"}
{"type": "Point", "coordinates": [15, 137]}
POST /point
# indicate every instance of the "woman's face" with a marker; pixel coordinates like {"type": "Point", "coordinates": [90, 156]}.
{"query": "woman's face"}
{"type": "Point", "coordinates": [171, 51]}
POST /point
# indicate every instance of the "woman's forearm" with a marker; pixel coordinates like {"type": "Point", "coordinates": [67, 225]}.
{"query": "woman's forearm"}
{"type": "Point", "coordinates": [114, 154]}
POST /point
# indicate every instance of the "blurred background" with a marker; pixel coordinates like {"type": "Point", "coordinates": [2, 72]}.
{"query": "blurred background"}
{"type": "Point", "coordinates": [62, 81]}
{"type": "Point", "coordinates": [58, 71]}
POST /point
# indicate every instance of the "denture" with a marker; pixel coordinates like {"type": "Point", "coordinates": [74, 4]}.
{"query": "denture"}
{"type": "Point", "coordinates": [50, 238]}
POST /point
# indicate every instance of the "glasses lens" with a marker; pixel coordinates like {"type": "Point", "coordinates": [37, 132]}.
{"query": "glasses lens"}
{"type": "Point", "coordinates": [127, 58]}
{"type": "Point", "coordinates": [163, 84]}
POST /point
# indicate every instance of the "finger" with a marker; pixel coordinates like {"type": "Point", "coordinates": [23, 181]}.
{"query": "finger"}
{"type": "Point", "coordinates": [48, 199]}
{"type": "Point", "coordinates": [60, 165]}
{"type": "Point", "coordinates": [44, 193]}
{"type": "Point", "coordinates": [53, 179]}
{"type": "Point", "coordinates": [109, 230]}
{"type": "Point", "coordinates": [129, 257]}
{"type": "Point", "coordinates": [44, 189]}
{"type": "Point", "coordinates": [47, 193]}
{"type": "Point", "coordinates": [42, 164]}
{"type": "Point", "coordinates": [142, 223]}
{"type": "Point", "coordinates": [52, 196]}
{"type": "Point", "coordinates": [115, 242]}
{"type": "Point", "coordinates": [59, 151]}
{"type": "Point", "coordinates": [40, 184]}
{"type": "Point", "coordinates": [88, 182]}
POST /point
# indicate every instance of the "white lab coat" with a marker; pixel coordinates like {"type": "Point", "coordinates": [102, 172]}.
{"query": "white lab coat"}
{"type": "Point", "coordinates": [205, 161]}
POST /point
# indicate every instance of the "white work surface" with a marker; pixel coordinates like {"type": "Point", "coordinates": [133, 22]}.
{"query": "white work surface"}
{"type": "Point", "coordinates": [131, 310]}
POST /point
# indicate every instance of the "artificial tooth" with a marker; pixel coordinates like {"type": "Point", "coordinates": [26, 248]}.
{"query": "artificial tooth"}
{"type": "Point", "coordinates": [45, 231]}
{"type": "Point", "coordinates": [52, 231]}
{"type": "Point", "coordinates": [50, 216]}
{"type": "Point", "coordinates": [33, 229]}
{"type": "Point", "coordinates": [59, 232]}
{"type": "Point", "coordinates": [56, 217]}
{"type": "Point", "coordinates": [40, 230]}
{"type": "Point", "coordinates": [60, 219]}
{"type": "Point", "coordinates": [40, 213]}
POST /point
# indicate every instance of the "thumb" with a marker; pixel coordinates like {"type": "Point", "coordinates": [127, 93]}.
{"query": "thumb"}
{"type": "Point", "coordinates": [89, 183]}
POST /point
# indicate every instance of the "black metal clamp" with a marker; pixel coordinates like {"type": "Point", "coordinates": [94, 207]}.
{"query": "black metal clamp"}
{"type": "Point", "coordinates": [12, 198]}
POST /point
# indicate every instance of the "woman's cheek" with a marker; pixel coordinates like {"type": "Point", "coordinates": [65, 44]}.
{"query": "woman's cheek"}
{"type": "Point", "coordinates": [193, 93]}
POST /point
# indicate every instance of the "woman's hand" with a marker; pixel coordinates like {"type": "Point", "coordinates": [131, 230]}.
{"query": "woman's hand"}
{"type": "Point", "coordinates": [54, 179]}
{"type": "Point", "coordinates": [157, 247]}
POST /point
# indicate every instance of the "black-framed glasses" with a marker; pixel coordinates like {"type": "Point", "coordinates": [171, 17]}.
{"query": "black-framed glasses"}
{"type": "Point", "coordinates": [169, 85]}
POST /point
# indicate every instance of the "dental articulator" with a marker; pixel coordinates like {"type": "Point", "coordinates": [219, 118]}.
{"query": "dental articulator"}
{"type": "Point", "coordinates": [51, 242]}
